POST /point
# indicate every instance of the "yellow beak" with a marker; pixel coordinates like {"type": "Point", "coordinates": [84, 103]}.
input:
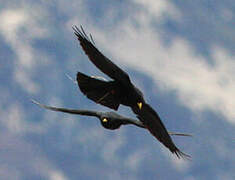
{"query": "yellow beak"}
{"type": "Point", "coordinates": [104, 120]}
{"type": "Point", "coordinates": [139, 105]}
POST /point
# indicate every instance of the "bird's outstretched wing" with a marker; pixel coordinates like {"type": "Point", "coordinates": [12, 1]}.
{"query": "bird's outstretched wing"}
{"type": "Point", "coordinates": [153, 123]}
{"type": "Point", "coordinates": [70, 111]}
{"type": "Point", "coordinates": [124, 120]}
{"type": "Point", "coordinates": [102, 92]}
{"type": "Point", "coordinates": [98, 59]}
{"type": "Point", "coordinates": [141, 125]}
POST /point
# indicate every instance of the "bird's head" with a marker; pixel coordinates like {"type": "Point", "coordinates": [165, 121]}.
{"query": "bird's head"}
{"type": "Point", "coordinates": [110, 122]}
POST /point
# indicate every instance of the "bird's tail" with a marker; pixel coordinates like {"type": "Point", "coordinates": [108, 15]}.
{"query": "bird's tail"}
{"type": "Point", "coordinates": [167, 141]}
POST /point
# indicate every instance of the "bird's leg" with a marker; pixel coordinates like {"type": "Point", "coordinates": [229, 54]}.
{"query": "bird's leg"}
{"type": "Point", "coordinates": [103, 97]}
{"type": "Point", "coordinates": [112, 92]}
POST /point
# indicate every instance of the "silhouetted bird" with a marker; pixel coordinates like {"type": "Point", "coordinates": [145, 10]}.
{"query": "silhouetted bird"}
{"type": "Point", "coordinates": [109, 120]}
{"type": "Point", "coordinates": [119, 91]}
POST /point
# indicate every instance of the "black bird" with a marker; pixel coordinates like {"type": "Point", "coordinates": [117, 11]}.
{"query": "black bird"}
{"type": "Point", "coordinates": [119, 91]}
{"type": "Point", "coordinates": [109, 120]}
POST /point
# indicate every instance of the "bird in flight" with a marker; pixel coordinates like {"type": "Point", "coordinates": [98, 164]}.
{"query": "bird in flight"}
{"type": "Point", "coordinates": [118, 91]}
{"type": "Point", "coordinates": [109, 120]}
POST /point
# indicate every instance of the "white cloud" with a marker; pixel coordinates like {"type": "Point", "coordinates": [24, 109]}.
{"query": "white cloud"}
{"type": "Point", "coordinates": [221, 147]}
{"type": "Point", "coordinates": [136, 158]}
{"type": "Point", "coordinates": [19, 27]}
{"type": "Point", "coordinates": [180, 165]}
{"type": "Point", "coordinates": [107, 145]}
{"type": "Point", "coordinates": [43, 167]}
{"type": "Point", "coordinates": [111, 146]}
{"type": "Point", "coordinates": [15, 120]}
{"type": "Point", "coordinates": [177, 67]}
{"type": "Point", "coordinates": [56, 175]}
{"type": "Point", "coordinates": [92, 135]}
{"type": "Point", "coordinates": [199, 86]}
{"type": "Point", "coordinates": [19, 157]}
{"type": "Point", "coordinates": [159, 8]}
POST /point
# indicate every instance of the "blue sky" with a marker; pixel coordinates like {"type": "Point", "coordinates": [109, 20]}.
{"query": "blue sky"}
{"type": "Point", "coordinates": [180, 54]}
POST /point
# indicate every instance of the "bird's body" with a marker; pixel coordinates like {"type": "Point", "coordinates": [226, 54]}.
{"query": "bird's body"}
{"type": "Point", "coordinates": [119, 91]}
{"type": "Point", "coordinates": [109, 93]}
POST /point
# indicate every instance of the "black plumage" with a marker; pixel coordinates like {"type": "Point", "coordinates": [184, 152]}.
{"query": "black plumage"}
{"type": "Point", "coordinates": [109, 120]}
{"type": "Point", "coordinates": [118, 91]}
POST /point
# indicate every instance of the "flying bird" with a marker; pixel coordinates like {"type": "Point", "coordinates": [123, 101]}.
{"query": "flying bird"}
{"type": "Point", "coordinates": [109, 120]}
{"type": "Point", "coordinates": [118, 91]}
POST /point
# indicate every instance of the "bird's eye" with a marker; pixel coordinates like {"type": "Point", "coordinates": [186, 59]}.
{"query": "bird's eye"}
{"type": "Point", "coordinates": [139, 104]}
{"type": "Point", "coordinates": [104, 120]}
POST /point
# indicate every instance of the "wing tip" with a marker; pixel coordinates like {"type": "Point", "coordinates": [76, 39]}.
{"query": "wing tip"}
{"type": "Point", "coordinates": [77, 31]}
{"type": "Point", "coordinates": [182, 155]}
{"type": "Point", "coordinates": [35, 102]}
{"type": "Point", "coordinates": [81, 34]}
{"type": "Point", "coordinates": [39, 104]}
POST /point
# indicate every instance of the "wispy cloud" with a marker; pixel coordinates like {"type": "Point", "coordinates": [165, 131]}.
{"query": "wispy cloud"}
{"type": "Point", "coordinates": [111, 147]}
{"type": "Point", "coordinates": [14, 120]}
{"type": "Point", "coordinates": [198, 85]}
{"type": "Point", "coordinates": [134, 41]}
{"type": "Point", "coordinates": [19, 28]}
{"type": "Point", "coordinates": [158, 9]}
{"type": "Point", "coordinates": [21, 160]}
{"type": "Point", "coordinates": [136, 158]}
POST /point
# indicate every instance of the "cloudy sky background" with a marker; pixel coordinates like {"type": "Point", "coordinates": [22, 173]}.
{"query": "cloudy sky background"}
{"type": "Point", "coordinates": [179, 53]}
